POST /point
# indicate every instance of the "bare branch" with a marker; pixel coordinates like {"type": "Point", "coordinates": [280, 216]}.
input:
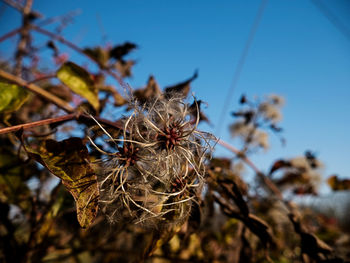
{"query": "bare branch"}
{"type": "Point", "coordinates": [37, 90]}
{"type": "Point", "coordinates": [45, 77]}
{"type": "Point", "coordinates": [25, 37]}
{"type": "Point", "coordinates": [10, 34]}
{"type": "Point", "coordinates": [36, 124]}
{"type": "Point", "coordinates": [14, 4]}
{"type": "Point", "coordinates": [84, 118]}
{"type": "Point", "coordinates": [272, 187]}
{"type": "Point", "coordinates": [81, 51]}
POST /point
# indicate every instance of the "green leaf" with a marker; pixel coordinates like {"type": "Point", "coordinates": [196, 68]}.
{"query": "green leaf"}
{"type": "Point", "coordinates": [79, 81]}
{"type": "Point", "coordinates": [12, 97]}
{"type": "Point", "coordinates": [69, 160]}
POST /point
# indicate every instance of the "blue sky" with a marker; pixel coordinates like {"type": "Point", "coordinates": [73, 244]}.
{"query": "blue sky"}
{"type": "Point", "coordinates": [297, 52]}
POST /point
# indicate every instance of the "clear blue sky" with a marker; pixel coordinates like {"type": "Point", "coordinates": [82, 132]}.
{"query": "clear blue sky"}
{"type": "Point", "coordinates": [297, 52]}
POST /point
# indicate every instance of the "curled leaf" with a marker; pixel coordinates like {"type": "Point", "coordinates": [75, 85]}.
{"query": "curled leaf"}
{"type": "Point", "coordinates": [181, 89]}
{"type": "Point", "coordinates": [69, 160]}
{"type": "Point", "coordinates": [118, 52]}
{"type": "Point", "coordinates": [337, 183]}
{"type": "Point", "coordinates": [278, 165]}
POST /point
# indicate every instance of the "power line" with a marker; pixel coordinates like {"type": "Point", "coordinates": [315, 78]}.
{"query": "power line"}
{"type": "Point", "coordinates": [241, 62]}
{"type": "Point", "coordinates": [332, 18]}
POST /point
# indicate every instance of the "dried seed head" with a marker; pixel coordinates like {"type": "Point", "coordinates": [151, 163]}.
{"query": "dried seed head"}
{"type": "Point", "coordinates": [158, 169]}
{"type": "Point", "coordinates": [128, 154]}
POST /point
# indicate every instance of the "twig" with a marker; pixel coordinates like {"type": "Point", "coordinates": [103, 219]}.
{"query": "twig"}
{"type": "Point", "coordinates": [36, 123]}
{"type": "Point", "coordinates": [79, 117]}
{"type": "Point", "coordinates": [239, 154]}
{"type": "Point", "coordinates": [14, 5]}
{"type": "Point", "coordinates": [37, 90]}
{"type": "Point", "coordinates": [272, 187]}
{"type": "Point", "coordinates": [25, 37]}
{"type": "Point", "coordinates": [10, 34]}
{"type": "Point", "coordinates": [54, 19]}
{"type": "Point", "coordinates": [44, 77]}
{"type": "Point", "coordinates": [40, 24]}
{"type": "Point", "coordinates": [62, 40]}
{"type": "Point", "coordinates": [81, 51]}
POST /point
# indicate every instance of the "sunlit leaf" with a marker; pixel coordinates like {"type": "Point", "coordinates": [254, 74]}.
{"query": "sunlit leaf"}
{"type": "Point", "coordinates": [79, 81]}
{"type": "Point", "coordinates": [12, 97]}
{"type": "Point", "coordinates": [69, 160]}
{"type": "Point", "coordinates": [337, 183]}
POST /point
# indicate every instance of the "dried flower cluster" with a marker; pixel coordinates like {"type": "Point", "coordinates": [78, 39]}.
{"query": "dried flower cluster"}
{"type": "Point", "coordinates": [158, 168]}
{"type": "Point", "coordinates": [255, 118]}
{"type": "Point", "coordinates": [299, 175]}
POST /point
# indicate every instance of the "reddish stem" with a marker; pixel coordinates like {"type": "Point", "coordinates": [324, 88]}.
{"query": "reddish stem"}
{"type": "Point", "coordinates": [81, 51]}
{"type": "Point", "coordinates": [36, 123]}
{"type": "Point", "coordinates": [44, 77]}
{"type": "Point", "coordinates": [273, 188]}
{"type": "Point", "coordinates": [79, 117]}
{"type": "Point", "coordinates": [10, 34]}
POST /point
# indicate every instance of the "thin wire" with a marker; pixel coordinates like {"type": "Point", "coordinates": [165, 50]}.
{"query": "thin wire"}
{"type": "Point", "coordinates": [241, 63]}
{"type": "Point", "coordinates": [102, 29]}
{"type": "Point", "coordinates": [332, 18]}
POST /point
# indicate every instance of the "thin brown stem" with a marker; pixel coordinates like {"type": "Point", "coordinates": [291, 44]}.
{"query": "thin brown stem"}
{"type": "Point", "coordinates": [80, 51]}
{"type": "Point", "coordinates": [37, 90]}
{"type": "Point", "coordinates": [59, 18]}
{"type": "Point", "coordinates": [40, 24]}
{"type": "Point", "coordinates": [62, 40]}
{"type": "Point", "coordinates": [14, 5]}
{"type": "Point", "coordinates": [10, 34]}
{"type": "Point", "coordinates": [37, 123]}
{"type": "Point", "coordinates": [61, 119]}
{"type": "Point", "coordinates": [272, 187]}
{"type": "Point", "coordinates": [44, 77]}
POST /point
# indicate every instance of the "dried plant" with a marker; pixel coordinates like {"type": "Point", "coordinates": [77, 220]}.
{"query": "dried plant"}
{"type": "Point", "coordinates": [255, 119]}
{"type": "Point", "coordinates": [158, 168]}
{"type": "Point", "coordinates": [150, 171]}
